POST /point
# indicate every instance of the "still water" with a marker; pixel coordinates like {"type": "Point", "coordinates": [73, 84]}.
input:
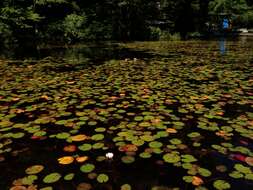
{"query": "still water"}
{"type": "Point", "coordinates": [121, 116]}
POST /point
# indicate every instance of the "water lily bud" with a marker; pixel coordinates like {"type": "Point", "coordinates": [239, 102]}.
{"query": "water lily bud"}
{"type": "Point", "coordinates": [109, 155]}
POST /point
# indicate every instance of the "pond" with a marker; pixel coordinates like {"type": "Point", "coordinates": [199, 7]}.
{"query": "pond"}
{"type": "Point", "coordinates": [122, 116]}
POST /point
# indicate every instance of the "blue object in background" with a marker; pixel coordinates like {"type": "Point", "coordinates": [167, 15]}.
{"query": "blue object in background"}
{"type": "Point", "coordinates": [225, 23]}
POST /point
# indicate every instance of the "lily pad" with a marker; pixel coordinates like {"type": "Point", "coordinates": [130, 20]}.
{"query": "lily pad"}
{"type": "Point", "coordinates": [85, 147]}
{"type": "Point", "coordinates": [171, 158]}
{"type": "Point", "coordinates": [125, 187]}
{"type": "Point", "coordinates": [155, 144]}
{"type": "Point", "coordinates": [52, 178]}
{"type": "Point", "coordinates": [102, 178]}
{"type": "Point", "coordinates": [127, 159]}
{"type": "Point", "coordinates": [34, 169]}
{"type": "Point", "coordinates": [69, 177]}
{"type": "Point", "coordinates": [87, 168]}
{"type": "Point", "coordinates": [221, 184]}
{"type": "Point", "coordinates": [97, 137]}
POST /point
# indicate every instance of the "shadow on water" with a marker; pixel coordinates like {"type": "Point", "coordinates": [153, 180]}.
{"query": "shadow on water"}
{"type": "Point", "coordinates": [96, 53]}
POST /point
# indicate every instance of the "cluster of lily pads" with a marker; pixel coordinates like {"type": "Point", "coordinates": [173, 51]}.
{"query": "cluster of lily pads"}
{"type": "Point", "coordinates": [188, 108]}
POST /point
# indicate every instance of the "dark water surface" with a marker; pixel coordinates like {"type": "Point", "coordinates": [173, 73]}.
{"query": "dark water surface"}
{"type": "Point", "coordinates": [175, 115]}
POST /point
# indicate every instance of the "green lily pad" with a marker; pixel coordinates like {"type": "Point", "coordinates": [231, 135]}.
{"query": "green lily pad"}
{"type": "Point", "coordinates": [249, 176]}
{"type": "Point", "coordinates": [188, 179]}
{"type": "Point", "coordinates": [87, 168]}
{"type": "Point", "coordinates": [171, 158]}
{"type": "Point", "coordinates": [34, 169]}
{"type": "Point", "coordinates": [138, 142]}
{"type": "Point", "coordinates": [47, 188]}
{"type": "Point", "coordinates": [18, 135]}
{"type": "Point", "coordinates": [29, 180]}
{"type": "Point", "coordinates": [188, 158]}
{"type": "Point", "coordinates": [147, 138]}
{"type": "Point", "coordinates": [242, 169]}
{"type": "Point", "coordinates": [221, 184]}
{"type": "Point", "coordinates": [145, 155]}
{"type": "Point", "coordinates": [236, 175]}
{"type": "Point", "coordinates": [97, 137]}
{"type": "Point", "coordinates": [85, 147]}
{"type": "Point", "coordinates": [155, 144]}
{"type": "Point", "coordinates": [100, 129]}
{"type": "Point", "coordinates": [193, 135]}
{"type": "Point", "coordinates": [204, 172]}
{"type": "Point", "coordinates": [125, 187]}
{"type": "Point", "coordinates": [138, 118]}
{"type": "Point", "coordinates": [102, 178]}
{"type": "Point", "coordinates": [62, 135]}
{"type": "Point", "coordinates": [98, 145]}
{"type": "Point", "coordinates": [175, 141]}
{"type": "Point", "coordinates": [69, 176]}
{"type": "Point", "coordinates": [40, 133]}
{"type": "Point", "coordinates": [127, 159]}
{"type": "Point", "coordinates": [52, 178]}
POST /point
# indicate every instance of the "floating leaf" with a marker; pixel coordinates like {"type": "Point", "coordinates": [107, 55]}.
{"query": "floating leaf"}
{"type": "Point", "coordinates": [138, 142]}
{"type": "Point", "coordinates": [197, 181]}
{"type": "Point", "coordinates": [65, 160]}
{"type": "Point", "coordinates": [69, 177]}
{"type": "Point", "coordinates": [242, 169]}
{"type": "Point", "coordinates": [128, 148]}
{"type": "Point", "coordinates": [19, 187]}
{"type": "Point", "coordinates": [84, 186]}
{"type": "Point", "coordinates": [34, 169]}
{"type": "Point", "coordinates": [204, 172]}
{"type": "Point", "coordinates": [85, 147]}
{"type": "Point", "coordinates": [62, 135]}
{"type": "Point", "coordinates": [47, 188]}
{"type": "Point", "coordinates": [221, 184]}
{"type": "Point", "coordinates": [236, 175]}
{"type": "Point", "coordinates": [87, 168]}
{"type": "Point", "coordinates": [171, 158]}
{"type": "Point", "coordinates": [138, 118]}
{"type": "Point", "coordinates": [29, 180]}
{"type": "Point", "coordinates": [18, 135]}
{"type": "Point", "coordinates": [171, 130]}
{"type": "Point", "coordinates": [81, 159]}
{"type": "Point", "coordinates": [147, 138]}
{"type": "Point", "coordinates": [97, 137]}
{"type": "Point", "coordinates": [188, 158]}
{"type": "Point", "coordinates": [193, 134]}
{"type": "Point", "coordinates": [70, 148]}
{"type": "Point", "coordinates": [188, 179]}
{"type": "Point", "coordinates": [175, 141]}
{"type": "Point", "coordinates": [127, 159]}
{"type": "Point", "coordinates": [98, 145]}
{"type": "Point", "coordinates": [145, 155]}
{"type": "Point", "coordinates": [249, 176]}
{"type": "Point", "coordinates": [78, 138]}
{"type": "Point", "coordinates": [125, 187]}
{"type": "Point", "coordinates": [155, 144]}
{"type": "Point", "coordinates": [249, 160]}
{"type": "Point", "coordinates": [52, 178]}
{"type": "Point", "coordinates": [102, 178]}
{"type": "Point", "coordinates": [100, 129]}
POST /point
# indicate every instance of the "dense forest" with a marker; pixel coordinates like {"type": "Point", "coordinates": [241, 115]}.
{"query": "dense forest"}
{"type": "Point", "coordinates": [75, 20]}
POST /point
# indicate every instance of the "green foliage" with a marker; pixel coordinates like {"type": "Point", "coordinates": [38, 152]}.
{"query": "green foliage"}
{"type": "Point", "coordinates": [155, 33]}
{"type": "Point", "coordinates": [238, 10]}
{"type": "Point", "coordinates": [71, 21]}
{"type": "Point", "coordinates": [74, 27]}
{"type": "Point", "coordinates": [44, 2]}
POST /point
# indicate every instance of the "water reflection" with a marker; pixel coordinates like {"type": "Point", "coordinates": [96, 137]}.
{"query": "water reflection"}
{"type": "Point", "coordinates": [222, 46]}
